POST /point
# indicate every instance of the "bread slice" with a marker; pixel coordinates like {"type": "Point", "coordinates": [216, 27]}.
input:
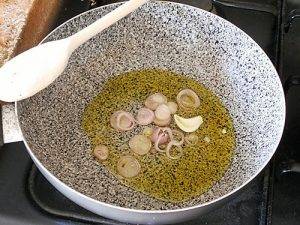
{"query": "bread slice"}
{"type": "Point", "coordinates": [24, 23]}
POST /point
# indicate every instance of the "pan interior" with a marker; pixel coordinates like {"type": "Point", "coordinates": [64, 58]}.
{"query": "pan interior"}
{"type": "Point", "coordinates": [171, 37]}
{"type": "Point", "coordinates": [171, 179]}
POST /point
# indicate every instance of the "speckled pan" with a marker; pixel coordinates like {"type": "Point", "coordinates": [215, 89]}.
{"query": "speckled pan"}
{"type": "Point", "coordinates": [162, 35]}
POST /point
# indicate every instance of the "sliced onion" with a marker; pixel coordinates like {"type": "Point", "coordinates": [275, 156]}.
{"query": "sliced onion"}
{"type": "Point", "coordinates": [148, 131]}
{"type": "Point", "coordinates": [188, 99]}
{"type": "Point", "coordinates": [172, 107]}
{"type": "Point", "coordinates": [162, 112]}
{"type": "Point", "coordinates": [122, 121]}
{"type": "Point", "coordinates": [156, 144]}
{"type": "Point", "coordinates": [156, 133]}
{"type": "Point", "coordinates": [191, 139]}
{"type": "Point", "coordinates": [163, 132]}
{"type": "Point", "coordinates": [180, 135]}
{"type": "Point", "coordinates": [101, 152]}
{"type": "Point", "coordinates": [153, 101]}
{"type": "Point", "coordinates": [169, 147]}
{"type": "Point", "coordinates": [128, 166]}
{"type": "Point", "coordinates": [171, 136]}
{"type": "Point", "coordinates": [168, 131]}
{"type": "Point", "coordinates": [162, 123]}
{"type": "Point", "coordinates": [140, 144]}
{"type": "Point", "coordinates": [145, 116]}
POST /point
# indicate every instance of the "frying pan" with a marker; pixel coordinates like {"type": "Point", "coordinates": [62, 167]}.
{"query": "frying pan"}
{"type": "Point", "coordinates": [163, 35]}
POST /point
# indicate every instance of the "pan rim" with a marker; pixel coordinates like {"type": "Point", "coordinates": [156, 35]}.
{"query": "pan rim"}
{"type": "Point", "coordinates": [183, 209]}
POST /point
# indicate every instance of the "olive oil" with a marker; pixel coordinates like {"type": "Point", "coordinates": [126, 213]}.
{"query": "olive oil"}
{"type": "Point", "coordinates": [170, 180]}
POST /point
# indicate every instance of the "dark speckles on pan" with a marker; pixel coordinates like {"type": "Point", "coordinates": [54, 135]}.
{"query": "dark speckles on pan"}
{"type": "Point", "coordinates": [161, 35]}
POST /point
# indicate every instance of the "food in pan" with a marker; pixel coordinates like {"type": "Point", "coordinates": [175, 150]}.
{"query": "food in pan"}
{"type": "Point", "coordinates": [161, 133]}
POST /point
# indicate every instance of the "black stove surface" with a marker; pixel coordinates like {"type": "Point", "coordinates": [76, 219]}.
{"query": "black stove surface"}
{"type": "Point", "coordinates": [26, 198]}
{"type": "Point", "coordinates": [272, 198]}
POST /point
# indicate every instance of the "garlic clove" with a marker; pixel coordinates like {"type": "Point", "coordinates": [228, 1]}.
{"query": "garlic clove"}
{"type": "Point", "coordinates": [188, 124]}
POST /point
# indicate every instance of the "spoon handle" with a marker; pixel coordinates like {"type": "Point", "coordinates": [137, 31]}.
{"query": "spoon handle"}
{"type": "Point", "coordinates": [90, 31]}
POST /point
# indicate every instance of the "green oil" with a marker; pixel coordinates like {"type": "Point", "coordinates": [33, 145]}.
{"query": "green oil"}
{"type": "Point", "coordinates": [170, 180]}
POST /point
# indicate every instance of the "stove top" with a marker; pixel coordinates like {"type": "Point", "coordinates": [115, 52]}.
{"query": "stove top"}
{"type": "Point", "coordinates": [272, 198]}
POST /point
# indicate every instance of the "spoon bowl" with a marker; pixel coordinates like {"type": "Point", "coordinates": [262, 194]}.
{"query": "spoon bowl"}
{"type": "Point", "coordinates": [33, 70]}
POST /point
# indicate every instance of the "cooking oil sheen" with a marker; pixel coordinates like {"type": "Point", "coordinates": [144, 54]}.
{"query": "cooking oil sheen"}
{"type": "Point", "coordinates": [201, 165]}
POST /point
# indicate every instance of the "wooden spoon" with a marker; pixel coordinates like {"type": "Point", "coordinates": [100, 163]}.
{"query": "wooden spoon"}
{"type": "Point", "coordinates": [35, 69]}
